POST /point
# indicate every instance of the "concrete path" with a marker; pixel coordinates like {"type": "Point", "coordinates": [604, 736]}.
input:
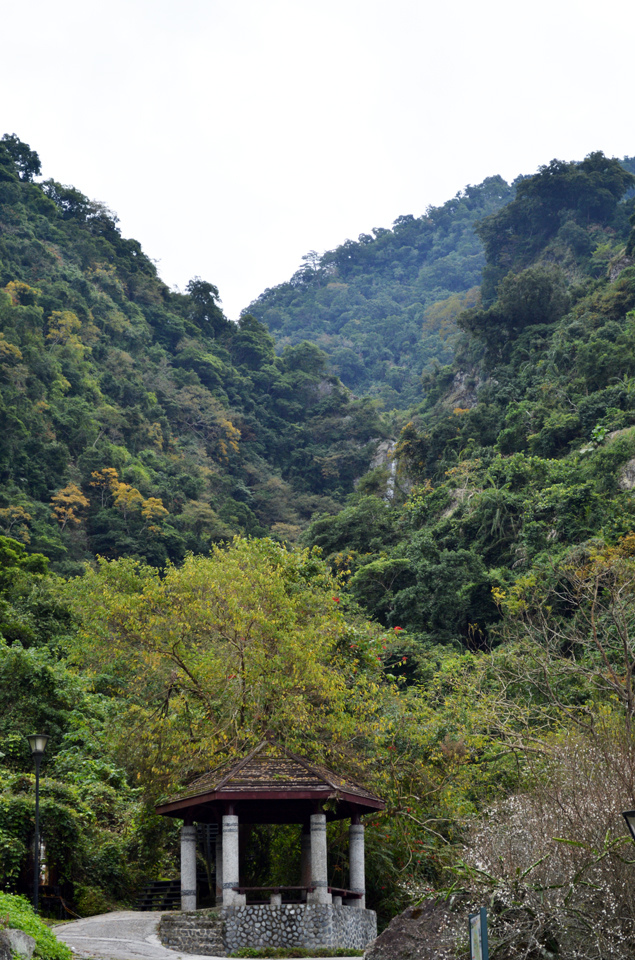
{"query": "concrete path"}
{"type": "Point", "coordinates": [123, 935]}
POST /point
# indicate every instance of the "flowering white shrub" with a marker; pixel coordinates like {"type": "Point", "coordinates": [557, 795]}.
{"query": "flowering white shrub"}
{"type": "Point", "coordinates": [557, 861]}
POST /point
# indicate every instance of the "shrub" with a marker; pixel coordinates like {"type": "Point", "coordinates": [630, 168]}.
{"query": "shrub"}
{"type": "Point", "coordinates": [22, 917]}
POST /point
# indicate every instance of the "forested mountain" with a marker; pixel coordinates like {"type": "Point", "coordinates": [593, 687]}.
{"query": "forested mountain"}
{"type": "Point", "coordinates": [454, 627]}
{"type": "Point", "coordinates": [384, 307]}
{"type": "Point", "coordinates": [521, 447]}
{"type": "Point", "coordinates": [139, 421]}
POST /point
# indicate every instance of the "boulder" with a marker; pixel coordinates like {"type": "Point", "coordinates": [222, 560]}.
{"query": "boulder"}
{"type": "Point", "coordinates": [435, 930]}
{"type": "Point", "coordinates": [5, 946]}
{"type": "Point", "coordinates": [20, 942]}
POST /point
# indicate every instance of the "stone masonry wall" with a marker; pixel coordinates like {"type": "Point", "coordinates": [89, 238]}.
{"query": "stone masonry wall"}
{"type": "Point", "coordinates": [194, 931]}
{"type": "Point", "coordinates": [298, 925]}
{"type": "Point", "coordinates": [210, 933]}
{"type": "Point", "coordinates": [353, 928]}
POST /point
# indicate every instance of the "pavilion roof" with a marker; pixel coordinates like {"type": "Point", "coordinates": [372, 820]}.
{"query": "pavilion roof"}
{"type": "Point", "coordinates": [270, 773]}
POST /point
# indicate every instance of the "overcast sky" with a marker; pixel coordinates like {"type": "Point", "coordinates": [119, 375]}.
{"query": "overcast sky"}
{"type": "Point", "coordinates": [232, 136]}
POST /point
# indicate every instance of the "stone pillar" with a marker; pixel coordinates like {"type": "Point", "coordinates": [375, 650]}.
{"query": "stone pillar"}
{"type": "Point", "coordinates": [319, 872]}
{"type": "Point", "coordinates": [219, 867]}
{"type": "Point", "coordinates": [188, 867]}
{"type": "Point", "coordinates": [305, 857]}
{"type": "Point", "coordinates": [230, 863]}
{"type": "Point", "coordinates": [357, 882]}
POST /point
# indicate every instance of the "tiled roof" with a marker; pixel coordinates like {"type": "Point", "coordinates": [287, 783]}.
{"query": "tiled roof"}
{"type": "Point", "coordinates": [272, 768]}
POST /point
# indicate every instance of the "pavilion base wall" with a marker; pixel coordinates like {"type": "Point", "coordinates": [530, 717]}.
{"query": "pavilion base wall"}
{"type": "Point", "coordinates": [193, 931]}
{"type": "Point", "coordinates": [263, 925]}
{"type": "Point", "coordinates": [298, 925]}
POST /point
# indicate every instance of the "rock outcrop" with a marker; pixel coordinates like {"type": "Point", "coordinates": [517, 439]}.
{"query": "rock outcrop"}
{"type": "Point", "coordinates": [16, 942]}
{"type": "Point", "coordinates": [435, 930]}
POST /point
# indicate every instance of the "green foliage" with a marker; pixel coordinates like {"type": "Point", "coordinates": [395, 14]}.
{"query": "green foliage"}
{"type": "Point", "coordinates": [139, 421]}
{"type": "Point", "coordinates": [555, 210]}
{"type": "Point", "coordinates": [384, 307]}
{"type": "Point", "coordinates": [521, 448]}
{"type": "Point", "coordinates": [223, 651]}
{"type": "Point", "coordinates": [493, 548]}
{"type": "Point", "coordinates": [26, 160]}
{"type": "Point", "coordinates": [21, 917]}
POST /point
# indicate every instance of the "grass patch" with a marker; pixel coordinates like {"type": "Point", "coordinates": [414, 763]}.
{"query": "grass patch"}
{"type": "Point", "coordinates": [20, 916]}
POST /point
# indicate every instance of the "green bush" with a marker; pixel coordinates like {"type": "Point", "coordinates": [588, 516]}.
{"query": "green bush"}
{"type": "Point", "coordinates": [91, 901]}
{"type": "Point", "coordinates": [22, 917]}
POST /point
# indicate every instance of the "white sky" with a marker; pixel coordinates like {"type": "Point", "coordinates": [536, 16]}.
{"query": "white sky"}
{"type": "Point", "coordinates": [232, 136]}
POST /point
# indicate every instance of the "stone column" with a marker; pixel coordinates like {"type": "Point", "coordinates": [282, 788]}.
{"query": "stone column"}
{"type": "Point", "coordinates": [219, 867]}
{"type": "Point", "coordinates": [305, 857]}
{"type": "Point", "coordinates": [188, 867]}
{"type": "Point", "coordinates": [357, 882]}
{"type": "Point", "coordinates": [319, 873]}
{"type": "Point", "coordinates": [230, 862]}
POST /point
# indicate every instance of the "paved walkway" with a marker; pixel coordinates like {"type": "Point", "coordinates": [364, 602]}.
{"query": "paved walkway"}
{"type": "Point", "coordinates": [122, 935]}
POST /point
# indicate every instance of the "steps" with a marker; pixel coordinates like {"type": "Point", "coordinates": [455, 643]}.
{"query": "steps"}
{"type": "Point", "coordinates": [160, 895]}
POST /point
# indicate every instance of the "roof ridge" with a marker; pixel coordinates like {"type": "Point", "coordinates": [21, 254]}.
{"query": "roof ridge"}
{"type": "Point", "coordinates": [239, 766]}
{"type": "Point", "coordinates": [307, 766]}
{"type": "Point", "coordinates": [354, 783]}
{"type": "Point", "coordinates": [321, 772]}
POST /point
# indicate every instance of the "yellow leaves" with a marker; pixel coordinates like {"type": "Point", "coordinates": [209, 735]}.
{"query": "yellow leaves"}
{"type": "Point", "coordinates": [14, 521]}
{"type": "Point", "coordinates": [499, 595]}
{"type": "Point", "coordinates": [67, 504]}
{"type": "Point", "coordinates": [107, 477]}
{"type": "Point", "coordinates": [155, 435]}
{"type": "Point", "coordinates": [517, 598]}
{"type": "Point", "coordinates": [65, 329]}
{"type": "Point", "coordinates": [153, 509]}
{"type": "Point", "coordinates": [198, 411]}
{"type": "Point", "coordinates": [127, 498]}
{"type": "Point", "coordinates": [104, 276]}
{"type": "Point", "coordinates": [22, 294]}
{"type": "Point", "coordinates": [64, 325]}
{"type": "Point", "coordinates": [229, 439]}
{"type": "Point", "coordinates": [9, 353]}
{"type": "Point", "coordinates": [105, 481]}
{"type": "Point", "coordinates": [441, 317]}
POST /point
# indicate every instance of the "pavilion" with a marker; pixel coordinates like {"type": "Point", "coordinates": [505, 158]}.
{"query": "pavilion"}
{"type": "Point", "coordinates": [271, 785]}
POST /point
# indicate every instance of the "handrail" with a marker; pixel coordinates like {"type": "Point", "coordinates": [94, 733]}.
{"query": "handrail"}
{"type": "Point", "coordinates": [276, 889]}
{"type": "Point", "coordinates": [338, 891]}
{"type": "Point", "coordinates": [343, 892]}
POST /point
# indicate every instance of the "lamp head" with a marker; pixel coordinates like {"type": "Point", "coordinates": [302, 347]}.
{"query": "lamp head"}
{"type": "Point", "coordinates": [629, 816]}
{"type": "Point", "coordinates": [37, 742]}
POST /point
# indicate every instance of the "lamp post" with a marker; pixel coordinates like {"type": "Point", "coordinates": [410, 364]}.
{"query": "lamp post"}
{"type": "Point", "coordinates": [37, 742]}
{"type": "Point", "coordinates": [629, 816]}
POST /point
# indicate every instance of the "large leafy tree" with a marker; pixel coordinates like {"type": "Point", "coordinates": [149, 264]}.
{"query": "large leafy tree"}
{"type": "Point", "coordinates": [228, 648]}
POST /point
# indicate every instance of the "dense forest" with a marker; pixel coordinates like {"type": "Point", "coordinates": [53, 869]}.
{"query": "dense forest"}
{"type": "Point", "coordinates": [452, 623]}
{"type": "Point", "coordinates": [519, 449]}
{"type": "Point", "coordinates": [384, 307]}
{"type": "Point", "coordinates": [141, 422]}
